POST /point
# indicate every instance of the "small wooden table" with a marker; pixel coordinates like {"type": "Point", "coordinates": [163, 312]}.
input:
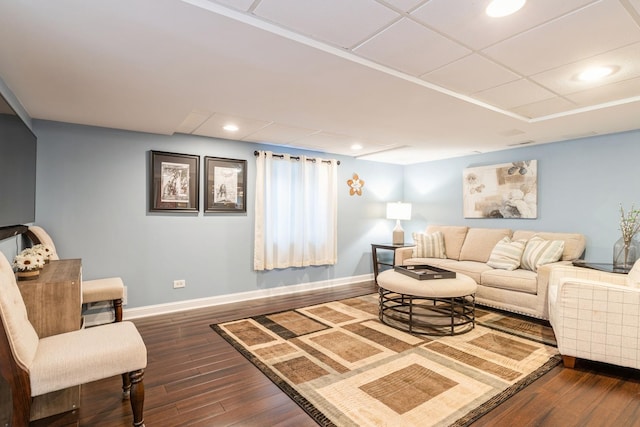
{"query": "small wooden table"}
{"type": "Point", "coordinates": [54, 306]}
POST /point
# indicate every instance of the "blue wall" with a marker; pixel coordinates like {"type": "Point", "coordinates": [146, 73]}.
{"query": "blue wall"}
{"type": "Point", "coordinates": [92, 198]}
{"type": "Point", "coordinates": [581, 184]}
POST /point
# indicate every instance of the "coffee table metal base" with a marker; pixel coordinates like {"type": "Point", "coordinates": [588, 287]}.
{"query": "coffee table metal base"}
{"type": "Point", "coordinates": [427, 315]}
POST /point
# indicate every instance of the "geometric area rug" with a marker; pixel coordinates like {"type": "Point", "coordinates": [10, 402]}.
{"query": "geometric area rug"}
{"type": "Point", "coordinates": [344, 367]}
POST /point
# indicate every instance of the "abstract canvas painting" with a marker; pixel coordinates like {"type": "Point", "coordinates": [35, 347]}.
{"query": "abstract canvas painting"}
{"type": "Point", "coordinates": [508, 190]}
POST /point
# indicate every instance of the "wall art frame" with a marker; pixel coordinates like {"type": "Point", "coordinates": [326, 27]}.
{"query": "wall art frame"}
{"type": "Point", "coordinates": [508, 190]}
{"type": "Point", "coordinates": [175, 182]}
{"type": "Point", "coordinates": [225, 184]}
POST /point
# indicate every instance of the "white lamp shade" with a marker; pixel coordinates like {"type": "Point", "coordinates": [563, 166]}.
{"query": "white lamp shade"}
{"type": "Point", "coordinates": [399, 210]}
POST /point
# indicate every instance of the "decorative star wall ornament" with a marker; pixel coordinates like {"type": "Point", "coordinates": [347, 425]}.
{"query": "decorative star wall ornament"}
{"type": "Point", "coordinates": [355, 185]}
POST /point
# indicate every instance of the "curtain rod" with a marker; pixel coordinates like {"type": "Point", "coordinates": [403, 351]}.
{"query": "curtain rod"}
{"type": "Point", "coordinates": [256, 153]}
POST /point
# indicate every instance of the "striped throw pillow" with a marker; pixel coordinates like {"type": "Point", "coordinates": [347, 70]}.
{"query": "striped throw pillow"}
{"type": "Point", "coordinates": [539, 252]}
{"type": "Point", "coordinates": [506, 254]}
{"type": "Point", "coordinates": [429, 245]}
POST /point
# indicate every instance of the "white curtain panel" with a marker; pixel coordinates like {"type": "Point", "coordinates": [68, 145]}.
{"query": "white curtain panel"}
{"type": "Point", "coordinates": [296, 212]}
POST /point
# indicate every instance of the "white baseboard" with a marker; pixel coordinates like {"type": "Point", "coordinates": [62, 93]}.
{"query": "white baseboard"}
{"type": "Point", "coordinates": [172, 307]}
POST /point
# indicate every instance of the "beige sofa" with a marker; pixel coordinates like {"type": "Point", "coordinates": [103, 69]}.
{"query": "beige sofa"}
{"type": "Point", "coordinates": [467, 251]}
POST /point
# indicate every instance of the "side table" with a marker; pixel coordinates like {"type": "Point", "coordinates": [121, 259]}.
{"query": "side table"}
{"type": "Point", "coordinates": [601, 266]}
{"type": "Point", "coordinates": [384, 261]}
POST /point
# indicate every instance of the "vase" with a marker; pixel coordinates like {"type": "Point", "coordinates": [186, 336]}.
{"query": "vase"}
{"type": "Point", "coordinates": [625, 254]}
{"type": "Point", "coordinates": [28, 274]}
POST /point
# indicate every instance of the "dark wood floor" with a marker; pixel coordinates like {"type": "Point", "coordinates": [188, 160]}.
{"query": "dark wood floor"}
{"type": "Point", "coordinates": [195, 378]}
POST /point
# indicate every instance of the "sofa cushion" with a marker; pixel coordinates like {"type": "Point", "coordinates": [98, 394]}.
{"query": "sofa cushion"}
{"type": "Point", "coordinates": [453, 238]}
{"type": "Point", "coordinates": [480, 242]}
{"type": "Point", "coordinates": [574, 243]}
{"type": "Point", "coordinates": [428, 245]}
{"type": "Point", "coordinates": [539, 252]}
{"type": "Point", "coordinates": [472, 269]}
{"type": "Point", "coordinates": [506, 254]}
{"type": "Point", "coordinates": [516, 280]}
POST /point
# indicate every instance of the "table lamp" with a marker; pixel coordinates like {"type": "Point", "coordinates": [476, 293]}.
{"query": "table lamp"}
{"type": "Point", "coordinates": [398, 211]}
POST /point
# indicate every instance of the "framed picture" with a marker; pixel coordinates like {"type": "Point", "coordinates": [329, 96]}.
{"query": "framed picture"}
{"type": "Point", "coordinates": [508, 190]}
{"type": "Point", "coordinates": [175, 182]}
{"type": "Point", "coordinates": [225, 185]}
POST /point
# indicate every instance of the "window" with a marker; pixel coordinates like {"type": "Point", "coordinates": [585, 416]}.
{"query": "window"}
{"type": "Point", "coordinates": [296, 211]}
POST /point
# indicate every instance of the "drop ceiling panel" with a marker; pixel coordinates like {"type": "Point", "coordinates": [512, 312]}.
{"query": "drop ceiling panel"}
{"type": "Point", "coordinates": [213, 127]}
{"type": "Point", "coordinates": [588, 32]}
{"type": "Point", "coordinates": [614, 91]}
{"type": "Point", "coordinates": [514, 94]}
{"type": "Point", "coordinates": [411, 47]}
{"type": "Point", "coordinates": [404, 5]}
{"type": "Point", "coordinates": [279, 133]}
{"type": "Point", "coordinates": [467, 22]}
{"type": "Point", "coordinates": [335, 21]}
{"type": "Point", "coordinates": [545, 107]}
{"type": "Point", "coordinates": [322, 139]}
{"type": "Point", "coordinates": [456, 76]}
{"type": "Point", "coordinates": [409, 155]}
{"type": "Point", "coordinates": [563, 80]}
{"type": "Point", "coordinates": [193, 121]}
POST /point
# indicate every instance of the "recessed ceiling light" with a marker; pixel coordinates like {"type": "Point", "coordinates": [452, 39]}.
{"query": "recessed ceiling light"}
{"type": "Point", "coordinates": [595, 73]}
{"type": "Point", "coordinates": [500, 8]}
{"type": "Point", "coordinates": [356, 147]}
{"type": "Point", "coordinates": [230, 128]}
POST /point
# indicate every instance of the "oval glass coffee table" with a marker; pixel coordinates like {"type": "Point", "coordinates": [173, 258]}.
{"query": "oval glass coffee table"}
{"type": "Point", "coordinates": [429, 307]}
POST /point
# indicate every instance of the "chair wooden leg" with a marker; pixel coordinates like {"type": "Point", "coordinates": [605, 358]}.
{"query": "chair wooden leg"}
{"type": "Point", "coordinates": [21, 409]}
{"type": "Point", "coordinates": [137, 397]}
{"type": "Point", "coordinates": [569, 361]}
{"type": "Point", "coordinates": [117, 308]}
{"type": "Point", "coordinates": [126, 386]}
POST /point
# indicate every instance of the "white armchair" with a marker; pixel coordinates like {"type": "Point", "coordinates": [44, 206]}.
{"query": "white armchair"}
{"type": "Point", "coordinates": [595, 315]}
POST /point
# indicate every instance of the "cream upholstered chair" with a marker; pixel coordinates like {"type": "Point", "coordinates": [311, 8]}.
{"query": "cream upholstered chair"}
{"type": "Point", "coordinates": [108, 289]}
{"type": "Point", "coordinates": [33, 366]}
{"type": "Point", "coordinates": [595, 315]}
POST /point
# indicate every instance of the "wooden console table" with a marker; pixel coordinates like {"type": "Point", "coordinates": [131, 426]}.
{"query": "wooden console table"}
{"type": "Point", "coordinates": [53, 302]}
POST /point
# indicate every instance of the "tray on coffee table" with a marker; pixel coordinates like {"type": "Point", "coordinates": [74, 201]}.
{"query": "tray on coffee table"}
{"type": "Point", "coordinates": [425, 272]}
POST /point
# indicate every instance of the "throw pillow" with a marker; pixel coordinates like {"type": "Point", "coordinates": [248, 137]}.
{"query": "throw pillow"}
{"type": "Point", "coordinates": [538, 252]}
{"type": "Point", "coordinates": [506, 254]}
{"type": "Point", "coordinates": [429, 245]}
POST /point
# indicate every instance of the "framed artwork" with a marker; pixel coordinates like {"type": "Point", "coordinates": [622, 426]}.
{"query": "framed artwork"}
{"type": "Point", "coordinates": [508, 190]}
{"type": "Point", "coordinates": [175, 182]}
{"type": "Point", "coordinates": [225, 185]}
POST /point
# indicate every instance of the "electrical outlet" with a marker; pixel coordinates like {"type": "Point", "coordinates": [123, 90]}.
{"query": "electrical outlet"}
{"type": "Point", "coordinates": [179, 284]}
{"type": "Point", "coordinates": [124, 297]}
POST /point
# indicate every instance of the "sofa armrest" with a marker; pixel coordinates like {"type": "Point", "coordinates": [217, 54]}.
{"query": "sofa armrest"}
{"type": "Point", "coordinates": [403, 254]}
{"type": "Point", "coordinates": [543, 277]}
